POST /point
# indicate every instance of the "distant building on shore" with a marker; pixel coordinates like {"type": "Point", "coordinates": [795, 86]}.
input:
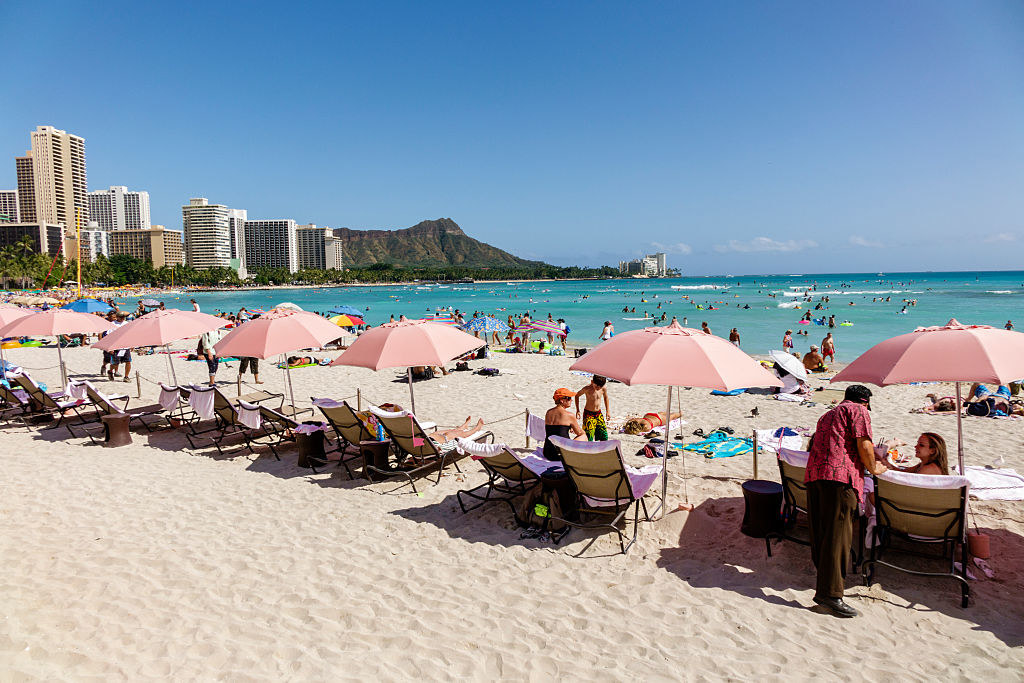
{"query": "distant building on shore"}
{"type": "Point", "coordinates": [9, 212]}
{"type": "Point", "coordinates": [207, 230]}
{"type": "Point", "coordinates": [94, 242]}
{"type": "Point", "coordinates": [119, 209]}
{"type": "Point", "coordinates": [651, 265]}
{"type": "Point", "coordinates": [271, 244]}
{"type": "Point", "coordinates": [45, 238]}
{"type": "Point", "coordinates": [318, 248]}
{"type": "Point", "coordinates": [158, 245]}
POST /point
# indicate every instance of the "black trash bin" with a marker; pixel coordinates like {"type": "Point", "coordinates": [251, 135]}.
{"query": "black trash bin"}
{"type": "Point", "coordinates": [311, 447]}
{"type": "Point", "coordinates": [375, 457]}
{"type": "Point", "coordinates": [763, 508]}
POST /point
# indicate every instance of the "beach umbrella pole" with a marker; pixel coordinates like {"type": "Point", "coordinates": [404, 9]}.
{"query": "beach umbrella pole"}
{"type": "Point", "coordinates": [291, 388]}
{"type": "Point", "coordinates": [63, 370]}
{"type": "Point", "coordinates": [412, 396]}
{"type": "Point", "coordinates": [170, 364]}
{"type": "Point", "coordinates": [959, 431]}
{"type": "Point", "coordinates": [664, 460]}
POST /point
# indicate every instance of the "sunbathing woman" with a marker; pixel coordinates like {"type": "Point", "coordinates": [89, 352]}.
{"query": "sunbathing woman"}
{"type": "Point", "coordinates": [946, 404]}
{"type": "Point", "coordinates": [647, 423]}
{"type": "Point", "coordinates": [464, 430]}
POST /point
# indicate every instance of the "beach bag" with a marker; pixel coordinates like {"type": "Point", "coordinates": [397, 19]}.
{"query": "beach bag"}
{"type": "Point", "coordinates": [537, 508]}
{"type": "Point", "coordinates": [461, 366]}
{"type": "Point", "coordinates": [982, 408]}
{"type": "Point", "coordinates": [488, 372]}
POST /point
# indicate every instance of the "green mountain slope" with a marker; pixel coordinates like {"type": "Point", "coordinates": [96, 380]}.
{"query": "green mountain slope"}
{"type": "Point", "coordinates": [439, 242]}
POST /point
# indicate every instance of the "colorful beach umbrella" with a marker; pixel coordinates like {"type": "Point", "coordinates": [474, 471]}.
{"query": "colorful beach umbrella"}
{"type": "Point", "coordinates": [949, 353]}
{"type": "Point", "coordinates": [548, 327]}
{"type": "Point", "coordinates": [441, 320]}
{"type": "Point", "coordinates": [8, 314]}
{"type": "Point", "coordinates": [406, 344]}
{"type": "Point", "coordinates": [346, 310]}
{"type": "Point", "coordinates": [674, 356]}
{"type": "Point", "coordinates": [87, 306]}
{"type": "Point", "coordinates": [347, 320]}
{"type": "Point", "coordinates": [486, 324]}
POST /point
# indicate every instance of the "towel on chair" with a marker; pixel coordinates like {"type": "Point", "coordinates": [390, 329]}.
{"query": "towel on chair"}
{"type": "Point", "coordinates": [201, 400]}
{"type": "Point", "coordinates": [249, 415]}
{"type": "Point", "coordinates": [168, 397]}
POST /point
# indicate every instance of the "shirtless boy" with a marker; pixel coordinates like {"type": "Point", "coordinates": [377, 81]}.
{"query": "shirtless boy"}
{"type": "Point", "coordinates": [594, 423]}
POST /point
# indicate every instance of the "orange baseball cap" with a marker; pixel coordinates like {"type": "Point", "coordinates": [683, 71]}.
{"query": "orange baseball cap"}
{"type": "Point", "coordinates": [564, 393]}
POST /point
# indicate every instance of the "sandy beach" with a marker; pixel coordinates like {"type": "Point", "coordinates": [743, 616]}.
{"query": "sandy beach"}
{"type": "Point", "coordinates": [154, 561]}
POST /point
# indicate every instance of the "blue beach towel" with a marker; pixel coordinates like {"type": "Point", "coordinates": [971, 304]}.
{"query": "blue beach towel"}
{"type": "Point", "coordinates": [734, 392]}
{"type": "Point", "coordinates": [719, 445]}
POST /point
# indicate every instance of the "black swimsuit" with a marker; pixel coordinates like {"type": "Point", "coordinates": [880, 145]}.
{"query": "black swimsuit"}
{"type": "Point", "coordinates": [551, 451]}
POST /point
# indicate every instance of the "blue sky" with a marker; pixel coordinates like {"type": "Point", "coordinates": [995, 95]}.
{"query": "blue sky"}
{"type": "Point", "coordinates": [740, 137]}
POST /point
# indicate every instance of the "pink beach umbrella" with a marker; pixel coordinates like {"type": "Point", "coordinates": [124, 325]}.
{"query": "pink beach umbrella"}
{"type": "Point", "coordinates": [278, 332]}
{"type": "Point", "coordinates": [948, 353]}
{"type": "Point", "coordinates": [675, 356]}
{"type": "Point", "coordinates": [160, 328]}
{"type": "Point", "coordinates": [8, 314]}
{"type": "Point", "coordinates": [53, 323]}
{"type": "Point", "coordinates": [406, 344]}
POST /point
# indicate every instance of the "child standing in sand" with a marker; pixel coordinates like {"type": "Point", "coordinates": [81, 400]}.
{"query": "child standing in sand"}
{"type": "Point", "coordinates": [594, 423]}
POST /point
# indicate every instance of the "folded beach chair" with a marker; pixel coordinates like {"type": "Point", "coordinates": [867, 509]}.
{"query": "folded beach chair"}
{"type": "Point", "coordinates": [56, 404]}
{"type": "Point", "coordinates": [606, 485]}
{"type": "Point", "coordinates": [507, 477]}
{"type": "Point", "coordinates": [348, 427]}
{"type": "Point", "coordinates": [921, 509]}
{"type": "Point", "coordinates": [415, 452]}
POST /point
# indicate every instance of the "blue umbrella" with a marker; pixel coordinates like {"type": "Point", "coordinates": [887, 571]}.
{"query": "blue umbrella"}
{"type": "Point", "coordinates": [88, 306]}
{"type": "Point", "coordinates": [346, 310]}
{"type": "Point", "coordinates": [486, 324]}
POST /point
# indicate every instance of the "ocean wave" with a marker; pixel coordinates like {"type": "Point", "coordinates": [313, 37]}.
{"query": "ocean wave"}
{"type": "Point", "coordinates": [699, 286]}
{"type": "Point", "coordinates": [788, 304]}
{"type": "Point", "coordinates": [999, 291]}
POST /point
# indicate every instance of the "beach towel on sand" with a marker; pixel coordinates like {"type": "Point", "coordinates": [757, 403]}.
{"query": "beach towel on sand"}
{"type": "Point", "coordinates": [719, 445]}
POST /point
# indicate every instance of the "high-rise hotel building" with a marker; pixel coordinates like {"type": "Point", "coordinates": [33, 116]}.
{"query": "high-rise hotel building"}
{"type": "Point", "coordinates": [319, 249]}
{"type": "Point", "coordinates": [119, 209]}
{"type": "Point", "coordinates": [207, 235]}
{"type": "Point", "coordinates": [271, 244]}
{"type": "Point", "coordinates": [52, 185]}
{"type": "Point", "coordinates": [9, 212]}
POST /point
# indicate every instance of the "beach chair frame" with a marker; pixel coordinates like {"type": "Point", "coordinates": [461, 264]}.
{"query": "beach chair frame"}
{"type": "Point", "coordinates": [42, 403]}
{"type": "Point", "coordinates": [349, 430]}
{"type": "Point", "coordinates": [105, 406]}
{"type": "Point", "coordinates": [943, 527]}
{"type": "Point", "coordinates": [507, 479]}
{"type": "Point", "coordinates": [13, 407]}
{"type": "Point", "coordinates": [276, 430]}
{"type": "Point", "coordinates": [414, 459]}
{"type": "Point", "coordinates": [225, 423]}
{"type": "Point", "coordinates": [601, 475]}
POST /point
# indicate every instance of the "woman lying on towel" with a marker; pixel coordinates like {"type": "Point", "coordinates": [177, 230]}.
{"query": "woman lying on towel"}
{"type": "Point", "coordinates": [647, 423]}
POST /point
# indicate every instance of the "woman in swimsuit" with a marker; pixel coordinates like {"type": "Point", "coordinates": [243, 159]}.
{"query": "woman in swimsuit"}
{"type": "Point", "coordinates": [558, 421]}
{"type": "Point", "coordinates": [645, 424]}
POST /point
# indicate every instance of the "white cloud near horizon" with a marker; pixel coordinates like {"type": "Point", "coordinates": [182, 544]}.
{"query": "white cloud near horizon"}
{"type": "Point", "coordinates": [1001, 237]}
{"type": "Point", "coordinates": [678, 248]}
{"type": "Point", "coordinates": [859, 241]}
{"type": "Point", "coordinates": [765, 244]}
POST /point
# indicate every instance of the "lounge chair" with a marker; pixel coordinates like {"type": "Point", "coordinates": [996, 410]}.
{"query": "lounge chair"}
{"type": "Point", "coordinates": [57, 404]}
{"type": "Point", "coordinates": [507, 477]}
{"type": "Point", "coordinates": [274, 430]}
{"type": "Point", "coordinates": [14, 404]}
{"type": "Point", "coordinates": [105, 406]}
{"type": "Point", "coordinates": [922, 509]}
{"type": "Point", "coordinates": [606, 485]}
{"type": "Point", "coordinates": [226, 420]}
{"type": "Point", "coordinates": [792, 470]}
{"type": "Point", "coordinates": [350, 430]}
{"type": "Point", "coordinates": [416, 453]}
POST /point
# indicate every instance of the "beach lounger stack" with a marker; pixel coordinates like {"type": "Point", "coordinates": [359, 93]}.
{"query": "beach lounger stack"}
{"type": "Point", "coordinates": [920, 510]}
{"type": "Point", "coordinates": [606, 486]}
{"type": "Point", "coordinates": [414, 451]}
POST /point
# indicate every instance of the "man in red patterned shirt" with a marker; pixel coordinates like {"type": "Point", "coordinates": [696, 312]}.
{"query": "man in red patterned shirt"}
{"type": "Point", "coordinates": [841, 451]}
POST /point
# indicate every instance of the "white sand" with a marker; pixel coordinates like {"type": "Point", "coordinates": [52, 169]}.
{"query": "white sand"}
{"type": "Point", "coordinates": [152, 561]}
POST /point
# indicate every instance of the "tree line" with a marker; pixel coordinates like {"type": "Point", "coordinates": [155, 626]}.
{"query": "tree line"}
{"type": "Point", "coordinates": [22, 267]}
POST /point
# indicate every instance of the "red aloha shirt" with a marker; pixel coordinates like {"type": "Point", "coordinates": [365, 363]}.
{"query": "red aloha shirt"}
{"type": "Point", "coordinates": [834, 454]}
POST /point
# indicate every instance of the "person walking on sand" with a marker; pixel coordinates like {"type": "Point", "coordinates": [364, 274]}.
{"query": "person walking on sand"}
{"type": "Point", "coordinates": [594, 424]}
{"type": "Point", "coordinates": [253, 364]}
{"type": "Point", "coordinates": [841, 452]}
{"type": "Point", "coordinates": [828, 348]}
{"type": "Point", "coordinates": [734, 337]}
{"type": "Point", "coordinates": [787, 341]}
{"type": "Point", "coordinates": [608, 332]}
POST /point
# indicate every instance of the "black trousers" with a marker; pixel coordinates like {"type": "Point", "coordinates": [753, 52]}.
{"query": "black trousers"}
{"type": "Point", "coordinates": [831, 507]}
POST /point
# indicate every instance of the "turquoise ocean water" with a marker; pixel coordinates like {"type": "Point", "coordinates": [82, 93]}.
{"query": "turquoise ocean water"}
{"type": "Point", "coordinates": [989, 298]}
